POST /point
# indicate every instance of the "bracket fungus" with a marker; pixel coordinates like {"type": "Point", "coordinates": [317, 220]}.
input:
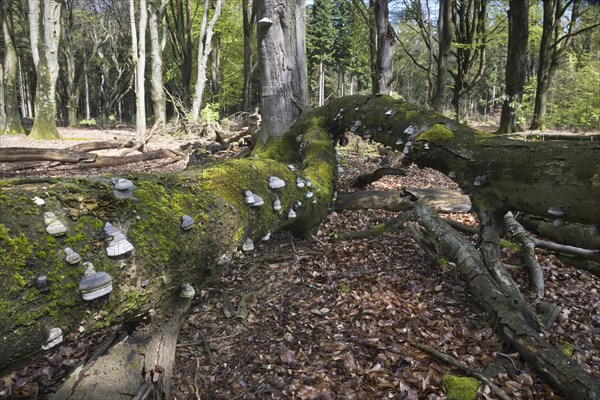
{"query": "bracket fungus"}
{"type": "Point", "coordinates": [248, 197]}
{"type": "Point", "coordinates": [480, 181]}
{"type": "Point", "coordinates": [267, 236]}
{"type": "Point", "coordinates": [71, 257]}
{"type": "Point", "coordinates": [309, 194]}
{"type": "Point", "coordinates": [122, 184]}
{"type": "Point", "coordinates": [95, 284]}
{"type": "Point", "coordinates": [38, 201]}
{"type": "Point", "coordinates": [276, 183]}
{"type": "Point", "coordinates": [41, 282]}
{"type": "Point", "coordinates": [277, 205]}
{"type": "Point", "coordinates": [389, 113]}
{"type": "Point", "coordinates": [265, 22]}
{"type": "Point", "coordinates": [292, 214]}
{"type": "Point", "coordinates": [53, 226]}
{"type": "Point", "coordinates": [187, 291]}
{"type": "Point", "coordinates": [119, 245]}
{"type": "Point", "coordinates": [248, 245]}
{"type": "Point", "coordinates": [54, 337]}
{"type": "Point", "coordinates": [291, 167]}
{"type": "Point", "coordinates": [399, 142]}
{"type": "Point", "coordinates": [187, 222]}
{"type": "Point", "coordinates": [258, 201]}
{"type": "Point", "coordinates": [299, 183]}
{"type": "Point", "coordinates": [223, 260]}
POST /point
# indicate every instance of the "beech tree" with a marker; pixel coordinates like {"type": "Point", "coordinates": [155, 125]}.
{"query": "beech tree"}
{"type": "Point", "coordinates": [516, 64]}
{"type": "Point", "coordinates": [207, 26]}
{"type": "Point", "coordinates": [156, 10]}
{"type": "Point", "coordinates": [444, 46]}
{"type": "Point", "coordinates": [11, 118]}
{"type": "Point", "coordinates": [138, 51]}
{"type": "Point", "coordinates": [44, 34]}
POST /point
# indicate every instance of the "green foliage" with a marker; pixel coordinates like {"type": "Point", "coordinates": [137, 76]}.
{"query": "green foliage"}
{"type": "Point", "coordinates": [210, 113]}
{"type": "Point", "coordinates": [574, 100]}
{"type": "Point", "coordinates": [89, 122]}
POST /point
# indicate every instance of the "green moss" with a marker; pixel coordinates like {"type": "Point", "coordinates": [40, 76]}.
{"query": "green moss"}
{"type": "Point", "coordinates": [378, 229]}
{"type": "Point", "coordinates": [437, 133]}
{"type": "Point", "coordinates": [283, 150]}
{"type": "Point", "coordinates": [19, 280]}
{"type": "Point", "coordinates": [515, 248]}
{"type": "Point", "coordinates": [460, 388]}
{"type": "Point", "coordinates": [442, 262]}
{"type": "Point", "coordinates": [566, 348]}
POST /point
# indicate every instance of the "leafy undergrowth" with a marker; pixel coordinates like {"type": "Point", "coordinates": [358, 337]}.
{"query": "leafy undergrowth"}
{"type": "Point", "coordinates": [330, 318]}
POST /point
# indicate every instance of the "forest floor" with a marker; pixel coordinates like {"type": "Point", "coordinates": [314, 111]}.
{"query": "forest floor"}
{"type": "Point", "coordinates": [331, 318]}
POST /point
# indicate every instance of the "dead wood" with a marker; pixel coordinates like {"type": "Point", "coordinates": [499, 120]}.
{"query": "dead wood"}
{"type": "Point", "coordinates": [454, 362]}
{"type": "Point", "coordinates": [554, 136]}
{"type": "Point", "coordinates": [578, 235]}
{"type": "Point", "coordinates": [20, 154]}
{"type": "Point", "coordinates": [102, 145]}
{"type": "Point", "coordinates": [109, 161]}
{"type": "Point", "coordinates": [376, 199]}
{"type": "Point", "coordinates": [362, 181]}
{"type": "Point", "coordinates": [498, 294]}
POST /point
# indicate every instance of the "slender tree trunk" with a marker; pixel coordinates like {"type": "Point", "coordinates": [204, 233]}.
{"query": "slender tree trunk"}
{"type": "Point", "coordinates": [215, 61]}
{"type": "Point", "coordinates": [283, 75]}
{"type": "Point", "coordinates": [249, 16]}
{"type": "Point", "coordinates": [157, 92]}
{"type": "Point", "coordinates": [10, 109]}
{"type": "Point", "coordinates": [2, 111]}
{"type": "Point", "coordinates": [87, 95]}
{"type": "Point", "coordinates": [321, 83]}
{"type": "Point", "coordinates": [516, 63]}
{"type": "Point", "coordinates": [68, 50]}
{"type": "Point", "coordinates": [44, 32]}
{"type": "Point", "coordinates": [138, 47]}
{"type": "Point", "coordinates": [445, 43]}
{"type": "Point", "coordinates": [204, 50]}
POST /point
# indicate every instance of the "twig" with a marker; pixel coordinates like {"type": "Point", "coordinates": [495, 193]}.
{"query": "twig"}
{"type": "Point", "coordinates": [459, 364]}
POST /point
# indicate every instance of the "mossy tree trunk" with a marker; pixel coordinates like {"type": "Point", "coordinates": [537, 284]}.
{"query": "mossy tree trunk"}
{"type": "Point", "coordinates": [12, 117]}
{"type": "Point", "coordinates": [44, 32]}
{"type": "Point", "coordinates": [519, 175]}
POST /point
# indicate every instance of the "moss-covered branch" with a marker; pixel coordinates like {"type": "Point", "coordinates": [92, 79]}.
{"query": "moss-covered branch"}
{"type": "Point", "coordinates": [149, 216]}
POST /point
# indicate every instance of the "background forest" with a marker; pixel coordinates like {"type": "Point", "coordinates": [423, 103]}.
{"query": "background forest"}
{"type": "Point", "coordinates": [201, 58]}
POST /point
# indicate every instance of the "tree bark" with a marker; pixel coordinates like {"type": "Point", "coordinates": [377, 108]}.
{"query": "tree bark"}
{"type": "Point", "coordinates": [516, 64]}
{"type": "Point", "coordinates": [283, 74]}
{"type": "Point", "coordinates": [44, 33]}
{"type": "Point", "coordinates": [12, 121]}
{"type": "Point", "coordinates": [159, 99]}
{"type": "Point", "coordinates": [249, 15]}
{"type": "Point", "coordinates": [204, 50]}
{"type": "Point", "coordinates": [180, 32]}
{"type": "Point", "coordinates": [138, 48]}
{"type": "Point", "coordinates": [386, 38]}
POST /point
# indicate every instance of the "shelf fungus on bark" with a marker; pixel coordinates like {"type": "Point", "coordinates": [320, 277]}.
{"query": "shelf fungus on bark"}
{"type": "Point", "coordinates": [309, 194]}
{"type": "Point", "coordinates": [187, 291]}
{"type": "Point", "coordinates": [187, 222]}
{"type": "Point", "coordinates": [119, 246]}
{"type": "Point", "coordinates": [39, 202]}
{"type": "Point", "coordinates": [265, 22]}
{"type": "Point", "coordinates": [399, 142]}
{"type": "Point", "coordinates": [299, 183]}
{"type": "Point", "coordinates": [53, 225]}
{"type": "Point", "coordinates": [389, 113]}
{"type": "Point", "coordinates": [41, 282]}
{"type": "Point", "coordinates": [340, 169]}
{"type": "Point", "coordinates": [54, 337]}
{"type": "Point", "coordinates": [258, 201]}
{"type": "Point", "coordinates": [248, 245]}
{"type": "Point", "coordinates": [267, 236]}
{"type": "Point", "coordinates": [292, 214]}
{"type": "Point", "coordinates": [95, 284]}
{"type": "Point", "coordinates": [248, 197]}
{"type": "Point", "coordinates": [71, 257]}
{"type": "Point", "coordinates": [480, 181]}
{"type": "Point", "coordinates": [277, 205]}
{"type": "Point", "coordinates": [291, 167]}
{"type": "Point", "coordinates": [122, 184]}
{"type": "Point", "coordinates": [276, 183]}
{"type": "Point", "coordinates": [223, 260]}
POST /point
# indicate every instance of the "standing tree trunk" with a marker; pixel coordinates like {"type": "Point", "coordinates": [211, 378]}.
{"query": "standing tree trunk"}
{"type": "Point", "coordinates": [44, 33]}
{"type": "Point", "coordinates": [68, 50]}
{"type": "Point", "coordinates": [180, 32]}
{"type": "Point", "coordinates": [445, 43]}
{"type": "Point", "coordinates": [10, 109]}
{"type": "Point", "coordinates": [249, 15]}
{"type": "Point", "coordinates": [386, 37]}
{"type": "Point", "coordinates": [283, 74]}
{"type": "Point", "coordinates": [215, 62]}
{"type": "Point", "coordinates": [204, 50]}
{"type": "Point", "coordinates": [516, 64]}
{"type": "Point", "coordinates": [138, 51]}
{"type": "Point", "coordinates": [159, 99]}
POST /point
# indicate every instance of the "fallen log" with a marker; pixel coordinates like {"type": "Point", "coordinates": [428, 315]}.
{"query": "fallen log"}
{"type": "Point", "coordinates": [20, 154]}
